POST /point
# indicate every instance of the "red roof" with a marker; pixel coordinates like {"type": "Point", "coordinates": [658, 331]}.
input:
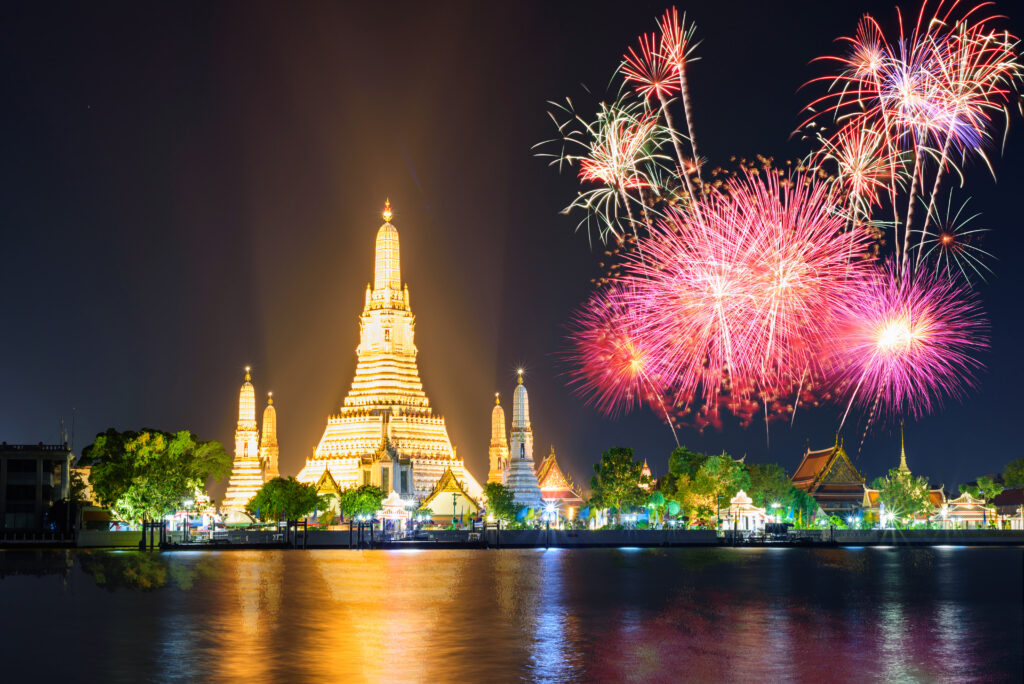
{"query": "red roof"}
{"type": "Point", "coordinates": [813, 463]}
{"type": "Point", "coordinates": [1009, 497]}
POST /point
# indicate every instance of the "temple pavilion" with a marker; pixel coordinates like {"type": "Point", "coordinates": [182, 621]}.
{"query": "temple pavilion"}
{"type": "Point", "coordinates": [742, 514]}
{"type": "Point", "coordinates": [450, 501]}
{"type": "Point", "coordinates": [831, 478]}
{"type": "Point", "coordinates": [386, 433]}
{"type": "Point", "coordinates": [556, 487]}
{"type": "Point", "coordinates": [965, 513]}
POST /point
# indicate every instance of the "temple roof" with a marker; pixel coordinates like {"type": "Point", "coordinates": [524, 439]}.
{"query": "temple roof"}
{"type": "Point", "coordinates": [551, 479]}
{"type": "Point", "coordinates": [937, 497]}
{"type": "Point", "coordinates": [1009, 497]}
{"type": "Point", "coordinates": [448, 484]}
{"type": "Point", "coordinates": [828, 468]}
{"type": "Point", "coordinates": [327, 484]}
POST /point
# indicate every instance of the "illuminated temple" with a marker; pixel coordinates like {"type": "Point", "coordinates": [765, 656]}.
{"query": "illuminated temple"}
{"type": "Point", "coordinates": [556, 487]}
{"type": "Point", "coordinates": [253, 464]}
{"type": "Point", "coordinates": [520, 475]}
{"type": "Point", "coordinates": [385, 432]}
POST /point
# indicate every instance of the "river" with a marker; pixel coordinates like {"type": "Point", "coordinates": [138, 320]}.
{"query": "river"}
{"type": "Point", "coordinates": [630, 615]}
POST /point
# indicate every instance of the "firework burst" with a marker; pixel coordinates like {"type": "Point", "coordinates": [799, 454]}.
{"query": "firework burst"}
{"type": "Point", "coordinates": [907, 344]}
{"type": "Point", "coordinates": [734, 301]}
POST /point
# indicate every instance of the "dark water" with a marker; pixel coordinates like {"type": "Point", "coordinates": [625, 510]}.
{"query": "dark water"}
{"type": "Point", "coordinates": [934, 614]}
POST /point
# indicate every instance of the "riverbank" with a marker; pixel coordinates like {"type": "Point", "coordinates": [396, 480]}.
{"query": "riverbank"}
{"type": "Point", "coordinates": [566, 539]}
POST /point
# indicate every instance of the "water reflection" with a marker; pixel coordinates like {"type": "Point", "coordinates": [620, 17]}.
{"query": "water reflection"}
{"type": "Point", "coordinates": [581, 615]}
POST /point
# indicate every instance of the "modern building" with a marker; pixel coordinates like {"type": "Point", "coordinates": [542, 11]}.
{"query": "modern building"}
{"type": "Point", "coordinates": [831, 478]}
{"type": "Point", "coordinates": [386, 432]}
{"type": "Point", "coordinates": [33, 477]}
{"type": "Point", "coordinates": [557, 488]}
{"type": "Point", "coordinates": [520, 475]}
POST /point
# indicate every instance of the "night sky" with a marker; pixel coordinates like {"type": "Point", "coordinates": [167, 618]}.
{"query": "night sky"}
{"type": "Point", "coordinates": [188, 188]}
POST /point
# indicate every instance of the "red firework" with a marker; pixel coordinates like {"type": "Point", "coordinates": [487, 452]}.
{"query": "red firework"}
{"type": "Point", "coordinates": [651, 69]}
{"type": "Point", "coordinates": [610, 366]}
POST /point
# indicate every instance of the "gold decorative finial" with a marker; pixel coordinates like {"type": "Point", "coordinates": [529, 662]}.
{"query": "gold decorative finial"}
{"type": "Point", "coordinates": [903, 453]}
{"type": "Point", "coordinates": [387, 211]}
{"type": "Point", "coordinates": [248, 378]}
{"type": "Point", "coordinates": [520, 371]}
{"type": "Point", "coordinates": [270, 398]}
{"type": "Point", "coordinates": [496, 399]}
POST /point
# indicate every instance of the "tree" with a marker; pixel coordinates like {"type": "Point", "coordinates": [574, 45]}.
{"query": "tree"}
{"type": "Point", "coordinates": [286, 499]}
{"type": "Point", "coordinates": [616, 480]}
{"type": "Point", "coordinates": [147, 474]}
{"type": "Point", "coordinates": [362, 500]}
{"type": "Point", "coordinates": [905, 496]}
{"type": "Point", "coordinates": [1013, 474]}
{"type": "Point", "coordinates": [801, 505]}
{"type": "Point", "coordinates": [719, 477]}
{"type": "Point", "coordinates": [684, 461]}
{"type": "Point", "coordinates": [985, 489]}
{"type": "Point", "coordinates": [501, 502]}
{"type": "Point", "coordinates": [769, 483]}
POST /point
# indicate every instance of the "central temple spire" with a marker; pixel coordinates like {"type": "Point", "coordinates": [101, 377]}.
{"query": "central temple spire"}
{"type": "Point", "coordinates": [386, 418]}
{"type": "Point", "coordinates": [387, 270]}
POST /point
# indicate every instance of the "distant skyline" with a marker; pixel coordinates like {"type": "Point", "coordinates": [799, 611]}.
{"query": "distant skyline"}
{"type": "Point", "coordinates": [193, 188]}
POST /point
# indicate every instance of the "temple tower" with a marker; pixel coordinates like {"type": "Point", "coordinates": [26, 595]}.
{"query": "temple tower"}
{"type": "Point", "coordinates": [386, 409]}
{"type": "Point", "coordinates": [247, 471]}
{"type": "Point", "coordinates": [498, 451]}
{"type": "Point", "coordinates": [520, 476]}
{"type": "Point", "coordinates": [268, 442]}
{"type": "Point", "coordinates": [903, 467]}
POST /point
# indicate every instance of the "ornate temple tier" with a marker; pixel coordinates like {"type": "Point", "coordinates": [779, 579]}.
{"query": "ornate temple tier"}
{"type": "Point", "coordinates": [520, 476]}
{"type": "Point", "coordinates": [386, 409]}
{"type": "Point", "coordinates": [247, 469]}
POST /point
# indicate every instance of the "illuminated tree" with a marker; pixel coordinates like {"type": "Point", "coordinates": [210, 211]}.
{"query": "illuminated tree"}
{"type": "Point", "coordinates": [286, 499]}
{"type": "Point", "coordinates": [364, 500]}
{"type": "Point", "coordinates": [769, 483]}
{"type": "Point", "coordinates": [616, 481]}
{"type": "Point", "coordinates": [985, 488]}
{"type": "Point", "coordinates": [501, 502]}
{"type": "Point", "coordinates": [717, 480]}
{"type": "Point", "coordinates": [148, 474]}
{"type": "Point", "coordinates": [905, 496]}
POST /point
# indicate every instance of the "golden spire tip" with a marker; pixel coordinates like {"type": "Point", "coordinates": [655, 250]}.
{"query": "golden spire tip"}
{"type": "Point", "coordinates": [387, 211]}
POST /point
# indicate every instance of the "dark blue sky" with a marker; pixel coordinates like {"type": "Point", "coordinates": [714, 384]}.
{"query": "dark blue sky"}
{"type": "Point", "coordinates": [190, 188]}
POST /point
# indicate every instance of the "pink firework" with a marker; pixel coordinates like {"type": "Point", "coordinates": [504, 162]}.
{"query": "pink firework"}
{"type": "Point", "coordinates": [734, 299]}
{"type": "Point", "coordinates": [610, 366]}
{"type": "Point", "coordinates": [906, 344]}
